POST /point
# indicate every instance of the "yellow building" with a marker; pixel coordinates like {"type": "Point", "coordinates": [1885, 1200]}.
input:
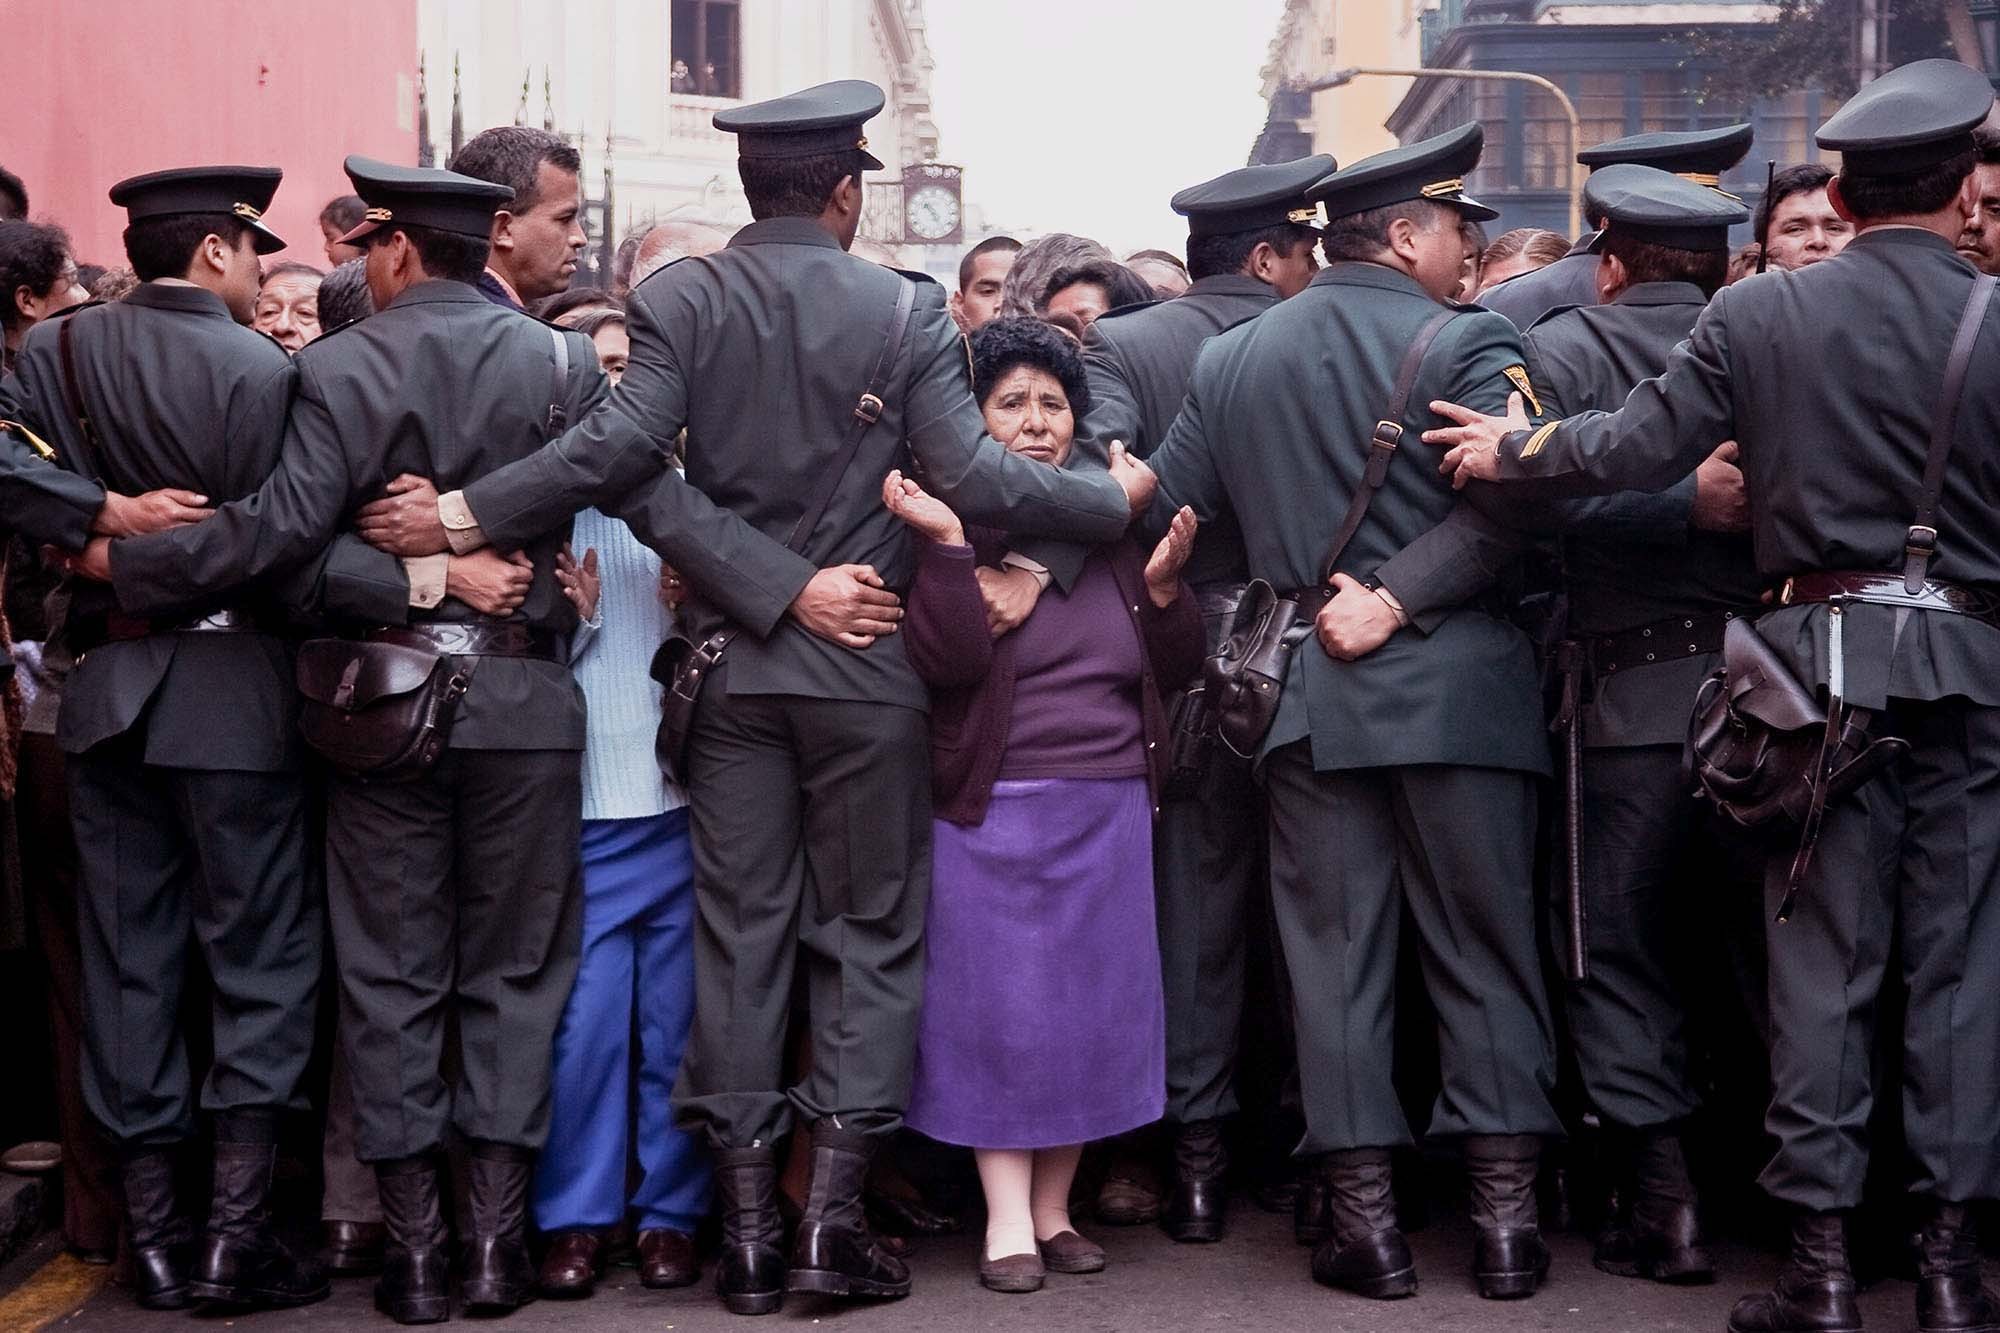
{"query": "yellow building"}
{"type": "Point", "coordinates": [1316, 37]}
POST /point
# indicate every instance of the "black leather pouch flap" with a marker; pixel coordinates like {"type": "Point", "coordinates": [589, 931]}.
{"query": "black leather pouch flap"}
{"type": "Point", "coordinates": [350, 675]}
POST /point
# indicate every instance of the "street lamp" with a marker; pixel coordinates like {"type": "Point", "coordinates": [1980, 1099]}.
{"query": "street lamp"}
{"type": "Point", "coordinates": [1340, 78]}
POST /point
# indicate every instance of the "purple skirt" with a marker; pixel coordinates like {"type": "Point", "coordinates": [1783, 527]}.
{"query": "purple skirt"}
{"type": "Point", "coordinates": [1043, 1022]}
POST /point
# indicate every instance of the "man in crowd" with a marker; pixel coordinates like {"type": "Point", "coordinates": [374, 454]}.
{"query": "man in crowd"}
{"type": "Point", "coordinates": [1979, 243]}
{"type": "Point", "coordinates": [1702, 156]}
{"type": "Point", "coordinates": [538, 237]}
{"type": "Point", "coordinates": [1882, 596]}
{"type": "Point", "coordinates": [670, 241]}
{"type": "Point", "coordinates": [341, 215]}
{"type": "Point", "coordinates": [1165, 272]}
{"type": "Point", "coordinates": [13, 196]}
{"type": "Point", "coordinates": [186, 791]}
{"type": "Point", "coordinates": [1372, 768]}
{"type": "Point", "coordinates": [982, 274]}
{"type": "Point", "coordinates": [812, 726]}
{"type": "Point", "coordinates": [1796, 222]}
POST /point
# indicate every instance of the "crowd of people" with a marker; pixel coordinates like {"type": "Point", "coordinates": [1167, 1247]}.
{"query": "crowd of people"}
{"type": "Point", "coordinates": [701, 770]}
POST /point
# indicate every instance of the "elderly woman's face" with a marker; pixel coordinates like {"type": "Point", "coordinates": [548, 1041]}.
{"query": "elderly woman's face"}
{"type": "Point", "coordinates": [1029, 413]}
{"type": "Point", "coordinates": [288, 309]}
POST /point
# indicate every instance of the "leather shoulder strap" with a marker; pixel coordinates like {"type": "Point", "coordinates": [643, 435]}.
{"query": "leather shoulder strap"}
{"type": "Point", "coordinates": [1387, 439]}
{"type": "Point", "coordinates": [867, 411]}
{"type": "Point", "coordinates": [559, 384]}
{"type": "Point", "coordinates": [73, 395]}
{"type": "Point", "coordinates": [1920, 544]}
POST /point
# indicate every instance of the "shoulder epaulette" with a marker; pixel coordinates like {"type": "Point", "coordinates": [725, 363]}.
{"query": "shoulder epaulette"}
{"type": "Point", "coordinates": [917, 276]}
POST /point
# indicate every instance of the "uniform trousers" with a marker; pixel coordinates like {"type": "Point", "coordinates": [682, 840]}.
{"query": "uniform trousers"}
{"type": "Point", "coordinates": [173, 859]}
{"type": "Point", "coordinates": [637, 962]}
{"type": "Point", "coordinates": [1350, 849]}
{"type": "Point", "coordinates": [1906, 874]}
{"type": "Point", "coordinates": [812, 831]}
{"type": "Point", "coordinates": [1673, 901]}
{"type": "Point", "coordinates": [455, 893]}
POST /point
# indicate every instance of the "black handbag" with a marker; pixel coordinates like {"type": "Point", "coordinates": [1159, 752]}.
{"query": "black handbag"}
{"type": "Point", "coordinates": [382, 712]}
{"type": "Point", "coordinates": [1245, 675]}
{"type": "Point", "coordinates": [1760, 747]}
{"type": "Point", "coordinates": [680, 664]}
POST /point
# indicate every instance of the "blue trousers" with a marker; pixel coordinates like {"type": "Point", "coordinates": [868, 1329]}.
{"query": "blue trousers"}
{"type": "Point", "coordinates": [638, 959]}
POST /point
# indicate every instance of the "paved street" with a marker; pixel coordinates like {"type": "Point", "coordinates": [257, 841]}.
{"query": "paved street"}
{"type": "Point", "coordinates": [1255, 1280]}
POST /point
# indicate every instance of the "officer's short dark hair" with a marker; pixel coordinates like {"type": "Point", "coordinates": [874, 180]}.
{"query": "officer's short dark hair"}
{"type": "Point", "coordinates": [1002, 344]}
{"type": "Point", "coordinates": [1364, 235]}
{"type": "Point", "coordinates": [32, 255]}
{"type": "Point", "coordinates": [13, 195]}
{"type": "Point", "coordinates": [991, 245]}
{"type": "Point", "coordinates": [1800, 178]}
{"type": "Point", "coordinates": [445, 254]}
{"type": "Point", "coordinates": [343, 213]}
{"type": "Point", "coordinates": [512, 155]}
{"type": "Point", "coordinates": [164, 247]}
{"type": "Point", "coordinates": [1122, 287]}
{"type": "Point", "coordinates": [795, 187]}
{"type": "Point", "coordinates": [1986, 142]}
{"type": "Point", "coordinates": [344, 296]}
{"type": "Point", "coordinates": [1213, 256]}
{"type": "Point", "coordinates": [1647, 262]}
{"type": "Point", "coordinates": [1924, 191]}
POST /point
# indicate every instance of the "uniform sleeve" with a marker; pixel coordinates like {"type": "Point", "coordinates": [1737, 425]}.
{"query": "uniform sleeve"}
{"type": "Point", "coordinates": [1661, 434]}
{"type": "Point", "coordinates": [44, 502]}
{"type": "Point", "coordinates": [1185, 465]}
{"type": "Point", "coordinates": [285, 523]}
{"type": "Point", "coordinates": [619, 458]}
{"type": "Point", "coordinates": [1113, 415]}
{"type": "Point", "coordinates": [970, 470]}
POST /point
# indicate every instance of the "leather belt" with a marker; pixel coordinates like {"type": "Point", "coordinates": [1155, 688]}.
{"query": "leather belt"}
{"type": "Point", "coordinates": [478, 638]}
{"type": "Point", "coordinates": [1218, 599]}
{"type": "Point", "coordinates": [1888, 590]}
{"type": "Point", "coordinates": [1670, 640]}
{"type": "Point", "coordinates": [117, 627]}
{"type": "Point", "coordinates": [1310, 600]}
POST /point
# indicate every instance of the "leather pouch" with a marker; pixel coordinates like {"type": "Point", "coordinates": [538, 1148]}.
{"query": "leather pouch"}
{"type": "Point", "coordinates": [378, 712]}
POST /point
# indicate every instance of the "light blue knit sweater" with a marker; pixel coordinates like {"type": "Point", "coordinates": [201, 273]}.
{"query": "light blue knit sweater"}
{"type": "Point", "coordinates": [611, 654]}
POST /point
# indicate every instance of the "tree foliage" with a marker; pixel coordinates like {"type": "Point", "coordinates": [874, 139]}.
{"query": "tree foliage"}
{"type": "Point", "coordinates": [1812, 43]}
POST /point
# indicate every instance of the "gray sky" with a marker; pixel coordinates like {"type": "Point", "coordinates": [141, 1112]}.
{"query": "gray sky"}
{"type": "Point", "coordinates": [1087, 115]}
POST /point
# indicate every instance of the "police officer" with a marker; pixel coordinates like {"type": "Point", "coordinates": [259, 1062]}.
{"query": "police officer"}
{"type": "Point", "coordinates": [1830, 379]}
{"type": "Point", "coordinates": [456, 891]}
{"type": "Point", "coordinates": [1698, 156]}
{"type": "Point", "coordinates": [809, 763]}
{"type": "Point", "coordinates": [1364, 759]}
{"type": "Point", "coordinates": [1251, 244]}
{"type": "Point", "coordinates": [184, 767]}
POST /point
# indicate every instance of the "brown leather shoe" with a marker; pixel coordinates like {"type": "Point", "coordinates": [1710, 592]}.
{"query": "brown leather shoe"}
{"type": "Point", "coordinates": [1067, 1252]}
{"type": "Point", "coordinates": [1015, 1274]}
{"type": "Point", "coordinates": [573, 1264]}
{"type": "Point", "coordinates": [667, 1258]}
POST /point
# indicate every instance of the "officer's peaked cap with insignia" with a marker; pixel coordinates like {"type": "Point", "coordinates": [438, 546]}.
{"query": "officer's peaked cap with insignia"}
{"type": "Point", "coordinates": [1915, 116]}
{"type": "Point", "coordinates": [1697, 155]}
{"type": "Point", "coordinates": [1657, 206]}
{"type": "Point", "coordinates": [423, 197]}
{"type": "Point", "coordinates": [241, 192]}
{"type": "Point", "coordinates": [1253, 198]}
{"type": "Point", "coordinates": [1434, 169]}
{"type": "Point", "coordinates": [825, 119]}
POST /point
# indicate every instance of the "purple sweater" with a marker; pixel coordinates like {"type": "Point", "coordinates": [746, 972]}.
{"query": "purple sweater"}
{"type": "Point", "coordinates": [973, 676]}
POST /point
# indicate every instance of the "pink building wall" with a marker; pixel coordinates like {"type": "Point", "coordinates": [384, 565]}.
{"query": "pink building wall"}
{"type": "Point", "coordinates": [98, 91]}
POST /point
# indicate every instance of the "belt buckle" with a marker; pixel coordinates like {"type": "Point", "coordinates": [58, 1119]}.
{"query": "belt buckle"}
{"type": "Point", "coordinates": [1785, 593]}
{"type": "Point", "coordinates": [869, 409]}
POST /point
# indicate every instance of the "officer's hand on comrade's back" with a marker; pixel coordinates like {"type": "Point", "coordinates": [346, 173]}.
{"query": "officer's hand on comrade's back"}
{"type": "Point", "coordinates": [1475, 439]}
{"type": "Point", "coordinates": [155, 511]}
{"type": "Point", "coordinates": [1133, 477]}
{"type": "Point", "coordinates": [848, 605]}
{"type": "Point", "coordinates": [490, 583]}
{"type": "Point", "coordinates": [1720, 503]}
{"type": "Point", "coordinates": [404, 521]}
{"type": "Point", "coordinates": [1355, 622]}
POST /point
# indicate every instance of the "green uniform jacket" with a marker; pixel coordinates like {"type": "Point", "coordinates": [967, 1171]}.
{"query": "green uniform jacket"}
{"type": "Point", "coordinates": [1827, 378]}
{"type": "Point", "coordinates": [760, 352]}
{"type": "Point", "coordinates": [1275, 430]}
{"type": "Point", "coordinates": [441, 383]}
{"type": "Point", "coordinates": [179, 394]}
{"type": "Point", "coordinates": [1570, 281]}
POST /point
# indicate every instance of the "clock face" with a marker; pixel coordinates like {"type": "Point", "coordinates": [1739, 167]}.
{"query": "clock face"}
{"type": "Point", "coordinates": [931, 213]}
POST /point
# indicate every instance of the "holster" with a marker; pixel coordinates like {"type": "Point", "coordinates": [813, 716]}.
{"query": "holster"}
{"type": "Point", "coordinates": [1571, 661]}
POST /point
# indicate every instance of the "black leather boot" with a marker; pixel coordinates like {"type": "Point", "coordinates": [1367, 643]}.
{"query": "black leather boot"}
{"type": "Point", "coordinates": [243, 1261]}
{"type": "Point", "coordinates": [1509, 1257]}
{"type": "Point", "coordinates": [750, 1275]}
{"type": "Point", "coordinates": [415, 1286]}
{"type": "Point", "coordinates": [160, 1238]}
{"type": "Point", "coordinates": [1950, 1297]}
{"type": "Point", "coordinates": [834, 1253]}
{"type": "Point", "coordinates": [1815, 1288]}
{"type": "Point", "coordinates": [499, 1276]}
{"type": "Point", "coordinates": [1660, 1231]}
{"type": "Point", "coordinates": [1200, 1197]}
{"type": "Point", "coordinates": [1363, 1252]}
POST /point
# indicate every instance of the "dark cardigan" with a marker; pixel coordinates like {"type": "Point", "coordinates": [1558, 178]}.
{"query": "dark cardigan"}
{"type": "Point", "coordinates": [971, 674]}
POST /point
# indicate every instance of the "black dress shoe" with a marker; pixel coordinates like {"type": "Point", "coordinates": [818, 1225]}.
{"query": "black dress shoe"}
{"type": "Point", "coordinates": [352, 1249]}
{"type": "Point", "coordinates": [834, 1253]}
{"type": "Point", "coordinates": [1378, 1266]}
{"type": "Point", "coordinates": [244, 1263]}
{"type": "Point", "coordinates": [160, 1248]}
{"type": "Point", "coordinates": [895, 1215]}
{"type": "Point", "coordinates": [750, 1275]}
{"type": "Point", "coordinates": [667, 1259]}
{"type": "Point", "coordinates": [574, 1262]}
{"type": "Point", "coordinates": [415, 1286]}
{"type": "Point", "coordinates": [1509, 1263]}
{"type": "Point", "coordinates": [1198, 1198]}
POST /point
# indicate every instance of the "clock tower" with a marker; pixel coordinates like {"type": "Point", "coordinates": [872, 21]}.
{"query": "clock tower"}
{"type": "Point", "coordinates": [933, 209]}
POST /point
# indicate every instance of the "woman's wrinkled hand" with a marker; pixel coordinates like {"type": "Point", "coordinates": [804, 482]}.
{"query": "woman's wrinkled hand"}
{"type": "Point", "coordinates": [1170, 557]}
{"type": "Point", "coordinates": [579, 580]}
{"type": "Point", "coordinates": [921, 510]}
